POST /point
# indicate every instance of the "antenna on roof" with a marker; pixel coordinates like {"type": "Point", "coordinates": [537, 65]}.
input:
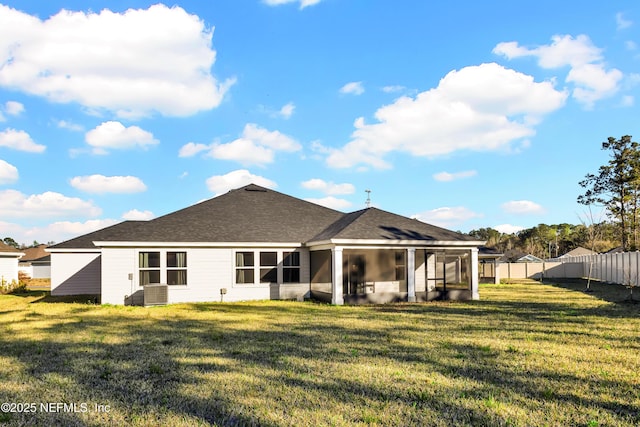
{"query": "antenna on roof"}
{"type": "Point", "coordinates": [368, 202]}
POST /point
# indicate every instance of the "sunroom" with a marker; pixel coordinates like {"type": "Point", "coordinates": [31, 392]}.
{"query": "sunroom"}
{"type": "Point", "coordinates": [370, 274]}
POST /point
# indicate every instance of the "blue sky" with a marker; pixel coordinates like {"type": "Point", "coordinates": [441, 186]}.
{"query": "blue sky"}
{"type": "Point", "coordinates": [461, 114]}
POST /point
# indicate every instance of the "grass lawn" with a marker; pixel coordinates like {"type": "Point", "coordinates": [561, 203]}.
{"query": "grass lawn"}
{"type": "Point", "coordinates": [526, 354]}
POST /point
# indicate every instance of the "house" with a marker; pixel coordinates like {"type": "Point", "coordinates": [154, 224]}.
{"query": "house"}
{"type": "Point", "coordinates": [579, 251]}
{"type": "Point", "coordinates": [489, 267]}
{"type": "Point", "coordinates": [9, 263]}
{"type": "Point", "coordinates": [36, 262]}
{"type": "Point", "coordinates": [514, 255]}
{"type": "Point", "coordinates": [256, 243]}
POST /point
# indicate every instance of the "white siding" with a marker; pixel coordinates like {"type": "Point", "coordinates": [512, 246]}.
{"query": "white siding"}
{"type": "Point", "coordinates": [75, 273]}
{"type": "Point", "coordinates": [117, 265]}
{"type": "Point", "coordinates": [41, 271]}
{"type": "Point", "coordinates": [8, 268]}
{"type": "Point", "coordinates": [208, 271]}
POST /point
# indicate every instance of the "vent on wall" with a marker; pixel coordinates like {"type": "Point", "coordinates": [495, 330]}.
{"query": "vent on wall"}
{"type": "Point", "coordinates": [156, 294]}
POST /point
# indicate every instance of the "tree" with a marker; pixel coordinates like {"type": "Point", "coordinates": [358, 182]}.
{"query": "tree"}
{"type": "Point", "coordinates": [616, 186]}
{"type": "Point", "coordinates": [9, 241]}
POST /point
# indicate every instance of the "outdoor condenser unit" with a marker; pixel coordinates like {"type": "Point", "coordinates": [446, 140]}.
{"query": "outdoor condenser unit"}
{"type": "Point", "coordinates": [156, 294]}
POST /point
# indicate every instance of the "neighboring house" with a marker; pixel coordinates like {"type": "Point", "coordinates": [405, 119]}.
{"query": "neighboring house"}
{"type": "Point", "coordinates": [9, 263]}
{"type": "Point", "coordinates": [514, 255]}
{"type": "Point", "coordinates": [255, 243]}
{"type": "Point", "coordinates": [36, 262]}
{"type": "Point", "coordinates": [579, 251]}
{"type": "Point", "coordinates": [489, 267]}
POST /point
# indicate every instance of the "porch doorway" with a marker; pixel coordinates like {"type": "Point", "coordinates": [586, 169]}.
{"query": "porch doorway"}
{"type": "Point", "coordinates": [354, 280]}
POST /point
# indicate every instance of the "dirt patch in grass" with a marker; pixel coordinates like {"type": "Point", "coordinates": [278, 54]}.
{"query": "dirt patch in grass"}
{"type": "Point", "coordinates": [38, 284]}
{"type": "Point", "coordinates": [522, 355]}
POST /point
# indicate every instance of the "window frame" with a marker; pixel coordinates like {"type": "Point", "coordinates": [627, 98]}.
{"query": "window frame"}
{"type": "Point", "coordinates": [289, 267]}
{"type": "Point", "coordinates": [177, 268]}
{"type": "Point", "coordinates": [146, 270]}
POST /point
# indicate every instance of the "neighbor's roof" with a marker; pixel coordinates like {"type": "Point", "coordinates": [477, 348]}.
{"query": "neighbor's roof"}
{"type": "Point", "coordinates": [579, 251]}
{"type": "Point", "coordinates": [257, 214]}
{"type": "Point", "coordinates": [36, 253]}
{"type": "Point", "coordinates": [6, 249]}
{"type": "Point", "coordinates": [376, 224]}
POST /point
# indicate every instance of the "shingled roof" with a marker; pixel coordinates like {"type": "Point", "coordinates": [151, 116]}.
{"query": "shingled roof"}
{"type": "Point", "coordinates": [114, 232]}
{"type": "Point", "coordinates": [6, 249]}
{"type": "Point", "coordinates": [257, 214]}
{"type": "Point", "coordinates": [376, 224]}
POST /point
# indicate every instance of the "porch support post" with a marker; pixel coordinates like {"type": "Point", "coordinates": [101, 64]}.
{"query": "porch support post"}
{"type": "Point", "coordinates": [474, 274]}
{"type": "Point", "coordinates": [336, 279]}
{"type": "Point", "coordinates": [411, 274]}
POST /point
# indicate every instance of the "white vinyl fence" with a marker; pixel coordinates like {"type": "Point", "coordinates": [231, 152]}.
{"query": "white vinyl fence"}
{"type": "Point", "coordinates": [619, 268]}
{"type": "Point", "coordinates": [622, 268]}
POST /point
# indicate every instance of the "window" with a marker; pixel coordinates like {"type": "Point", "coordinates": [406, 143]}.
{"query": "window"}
{"type": "Point", "coordinates": [149, 264]}
{"type": "Point", "coordinates": [400, 265]}
{"type": "Point", "coordinates": [176, 268]}
{"type": "Point", "coordinates": [268, 267]}
{"type": "Point", "coordinates": [291, 267]}
{"type": "Point", "coordinates": [244, 267]}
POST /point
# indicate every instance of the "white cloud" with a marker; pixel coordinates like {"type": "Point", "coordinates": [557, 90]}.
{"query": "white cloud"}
{"type": "Point", "coordinates": [190, 149]}
{"type": "Point", "coordinates": [522, 207]}
{"type": "Point", "coordinates": [331, 202]}
{"type": "Point", "coordinates": [114, 135]}
{"type": "Point", "coordinates": [328, 188]}
{"type": "Point", "coordinates": [48, 204]}
{"type": "Point", "coordinates": [13, 108]}
{"type": "Point", "coordinates": [447, 217]}
{"type": "Point", "coordinates": [446, 176]}
{"type": "Point", "coordinates": [587, 72]}
{"type": "Point", "coordinates": [63, 124]}
{"type": "Point", "coordinates": [621, 22]}
{"type": "Point", "coordinates": [100, 184]}
{"type": "Point", "coordinates": [303, 3]}
{"type": "Point", "coordinates": [478, 108]}
{"type": "Point", "coordinates": [220, 184]}
{"type": "Point", "coordinates": [133, 63]}
{"type": "Point", "coordinates": [19, 140]}
{"type": "Point", "coordinates": [8, 173]}
{"type": "Point", "coordinates": [594, 82]}
{"type": "Point", "coordinates": [508, 228]}
{"type": "Point", "coordinates": [353, 88]}
{"type": "Point", "coordinates": [137, 215]}
{"type": "Point", "coordinates": [256, 146]}
{"type": "Point", "coordinates": [243, 151]}
{"type": "Point", "coordinates": [393, 88]}
{"type": "Point", "coordinates": [287, 110]}
{"type": "Point", "coordinates": [55, 232]}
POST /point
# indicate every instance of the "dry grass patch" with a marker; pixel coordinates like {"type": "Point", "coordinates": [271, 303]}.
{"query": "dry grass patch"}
{"type": "Point", "coordinates": [526, 354]}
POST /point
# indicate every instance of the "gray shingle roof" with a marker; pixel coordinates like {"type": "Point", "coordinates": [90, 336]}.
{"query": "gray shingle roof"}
{"type": "Point", "coordinates": [115, 232]}
{"type": "Point", "coordinates": [248, 214]}
{"type": "Point", "coordinates": [256, 214]}
{"type": "Point", "coordinates": [376, 224]}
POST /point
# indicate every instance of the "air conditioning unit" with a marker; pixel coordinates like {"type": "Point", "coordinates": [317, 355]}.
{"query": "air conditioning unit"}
{"type": "Point", "coordinates": [156, 294]}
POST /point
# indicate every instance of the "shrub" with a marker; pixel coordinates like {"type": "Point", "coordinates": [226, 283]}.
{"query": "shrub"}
{"type": "Point", "coordinates": [14, 286]}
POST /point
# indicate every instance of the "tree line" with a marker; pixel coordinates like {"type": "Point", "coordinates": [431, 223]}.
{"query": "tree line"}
{"type": "Point", "coordinates": [549, 241]}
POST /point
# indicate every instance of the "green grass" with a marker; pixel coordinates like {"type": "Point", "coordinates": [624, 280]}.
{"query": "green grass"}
{"type": "Point", "coordinates": [526, 354]}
